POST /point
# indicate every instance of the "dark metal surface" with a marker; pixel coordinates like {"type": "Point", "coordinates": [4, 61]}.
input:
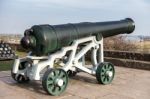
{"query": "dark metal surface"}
{"type": "Point", "coordinates": [44, 39]}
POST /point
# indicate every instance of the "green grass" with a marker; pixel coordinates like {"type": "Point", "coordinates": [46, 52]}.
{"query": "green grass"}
{"type": "Point", "coordinates": [7, 65]}
{"type": "Point", "coordinates": [21, 54]}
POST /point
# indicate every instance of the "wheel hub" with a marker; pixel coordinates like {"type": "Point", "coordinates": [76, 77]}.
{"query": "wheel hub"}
{"type": "Point", "coordinates": [105, 73]}
{"type": "Point", "coordinates": [109, 73]}
{"type": "Point", "coordinates": [59, 82]}
{"type": "Point", "coordinates": [55, 81]}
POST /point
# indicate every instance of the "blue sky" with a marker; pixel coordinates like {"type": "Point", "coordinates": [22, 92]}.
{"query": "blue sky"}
{"type": "Point", "coordinates": [18, 15]}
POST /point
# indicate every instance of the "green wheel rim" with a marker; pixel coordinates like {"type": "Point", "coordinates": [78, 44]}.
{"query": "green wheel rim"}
{"type": "Point", "coordinates": [55, 81]}
{"type": "Point", "coordinates": [19, 78]}
{"type": "Point", "coordinates": [105, 73]}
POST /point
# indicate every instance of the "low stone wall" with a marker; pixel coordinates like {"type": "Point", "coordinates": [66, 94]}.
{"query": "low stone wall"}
{"type": "Point", "coordinates": [127, 59]}
{"type": "Point", "coordinates": [128, 55]}
{"type": "Point", "coordinates": [129, 63]}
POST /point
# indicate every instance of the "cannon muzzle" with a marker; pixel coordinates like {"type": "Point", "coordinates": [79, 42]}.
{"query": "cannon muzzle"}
{"type": "Point", "coordinates": [45, 39]}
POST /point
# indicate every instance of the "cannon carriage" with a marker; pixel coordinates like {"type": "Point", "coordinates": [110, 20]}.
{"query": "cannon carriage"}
{"type": "Point", "coordinates": [59, 51]}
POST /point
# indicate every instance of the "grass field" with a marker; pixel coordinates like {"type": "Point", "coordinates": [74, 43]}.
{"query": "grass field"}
{"type": "Point", "coordinates": [7, 65]}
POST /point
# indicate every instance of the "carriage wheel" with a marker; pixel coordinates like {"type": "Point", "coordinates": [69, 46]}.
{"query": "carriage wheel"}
{"type": "Point", "coordinates": [19, 78]}
{"type": "Point", "coordinates": [105, 73]}
{"type": "Point", "coordinates": [55, 81]}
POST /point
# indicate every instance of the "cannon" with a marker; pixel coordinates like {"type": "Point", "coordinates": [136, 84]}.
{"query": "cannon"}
{"type": "Point", "coordinates": [58, 52]}
{"type": "Point", "coordinates": [44, 39]}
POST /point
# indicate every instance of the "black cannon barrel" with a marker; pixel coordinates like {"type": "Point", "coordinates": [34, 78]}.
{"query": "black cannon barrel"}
{"type": "Point", "coordinates": [45, 39]}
